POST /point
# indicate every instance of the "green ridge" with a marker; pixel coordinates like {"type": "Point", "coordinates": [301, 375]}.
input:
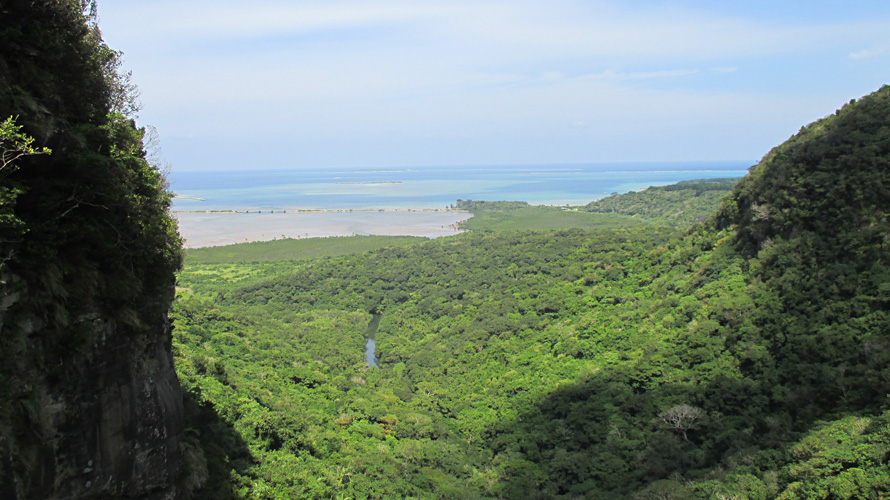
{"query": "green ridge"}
{"type": "Point", "coordinates": [681, 204]}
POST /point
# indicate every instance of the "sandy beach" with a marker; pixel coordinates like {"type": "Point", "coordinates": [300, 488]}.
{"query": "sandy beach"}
{"type": "Point", "coordinates": [202, 229]}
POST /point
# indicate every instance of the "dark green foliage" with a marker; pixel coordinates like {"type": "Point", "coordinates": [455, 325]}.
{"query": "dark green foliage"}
{"type": "Point", "coordinates": [87, 248]}
{"type": "Point", "coordinates": [92, 224]}
{"type": "Point", "coordinates": [813, 218]}
{"type": "Point", "coordinates": [52, 67]}
{"type": "Point", "coordinates": [828, 181]}
{"type": "Point", "coordinates": [681, 204]}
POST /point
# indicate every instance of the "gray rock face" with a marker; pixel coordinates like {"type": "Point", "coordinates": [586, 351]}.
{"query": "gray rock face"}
{"type": "Point", "coordinates": [102, 419]}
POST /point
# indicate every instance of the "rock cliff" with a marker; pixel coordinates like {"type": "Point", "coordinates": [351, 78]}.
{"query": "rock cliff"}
{"type": "Point", "coordinates": [90, 406]}
{"type": "Point", "coordinates": [105, 422]}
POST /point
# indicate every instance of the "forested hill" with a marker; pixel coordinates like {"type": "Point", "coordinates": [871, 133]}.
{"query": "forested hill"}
{"type": "Point", "coordinates": [747, 357]}
{"type": "Point", "coordinates": [829, 182]}
{"type": "Point", "coordinates": [680, 204]}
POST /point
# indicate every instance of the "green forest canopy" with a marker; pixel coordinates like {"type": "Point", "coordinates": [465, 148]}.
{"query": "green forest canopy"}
{"type": "Point", "coordinates": [745, 357]}
{"type": "Point", "coordinates": [680, 204]}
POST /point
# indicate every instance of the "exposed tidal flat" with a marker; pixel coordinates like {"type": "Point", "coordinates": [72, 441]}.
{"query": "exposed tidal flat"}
{"type": "Point", "coordinates": [226, 207]}
{"type": "Point", "coordinates": [213, 228]}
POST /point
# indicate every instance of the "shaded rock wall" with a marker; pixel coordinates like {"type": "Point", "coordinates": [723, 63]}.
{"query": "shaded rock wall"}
{"type": "Point", "coordinates": [102, 420]}
{"type": "Point", "coordinates": [90, 406]}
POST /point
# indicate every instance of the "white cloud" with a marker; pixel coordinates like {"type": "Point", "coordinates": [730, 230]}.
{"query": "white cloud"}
{"type": "Point", "coordinates": [868, 53]}
{"type": "Point", "coordinates": [329, 72]}
{"type": "Point", "coordinates": [212, 20]}
{"type": "Point", "coordinates": [515, 30]}
{"type": "Point", "coordinates": [644, 75]}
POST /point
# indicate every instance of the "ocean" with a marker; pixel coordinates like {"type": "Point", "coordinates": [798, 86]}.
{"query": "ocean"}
{"type": "Point", "coordinates": [429, 187]}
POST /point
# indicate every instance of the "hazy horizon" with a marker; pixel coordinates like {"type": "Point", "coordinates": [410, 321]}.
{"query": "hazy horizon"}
{"type": "Point", "coordinates": [386, 83]}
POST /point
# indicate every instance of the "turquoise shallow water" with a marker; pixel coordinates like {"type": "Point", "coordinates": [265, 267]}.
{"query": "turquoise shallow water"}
{"type": "Point", "coordinates": [430, 187]}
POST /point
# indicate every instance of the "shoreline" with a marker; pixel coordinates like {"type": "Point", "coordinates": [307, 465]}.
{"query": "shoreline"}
{"type": "Point", "coordinates": [227, 227]}
{"type": "Point", "coordinates": [319, 210]}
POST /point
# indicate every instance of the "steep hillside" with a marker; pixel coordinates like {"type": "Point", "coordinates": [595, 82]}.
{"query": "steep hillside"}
{"type": "Point", "coordinates": [813, 221]}
{"type": "Point", "coordinates": [90, 405]}
{"type": "Point", "coordinates": [827, 187]}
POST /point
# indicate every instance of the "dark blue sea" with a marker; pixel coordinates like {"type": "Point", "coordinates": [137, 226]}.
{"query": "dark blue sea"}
{"type": "Point", "coordinates": [430, 187]}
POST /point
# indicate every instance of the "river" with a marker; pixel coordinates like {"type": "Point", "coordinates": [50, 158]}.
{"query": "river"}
{"type": "Point", "coordinates": [371, 341]}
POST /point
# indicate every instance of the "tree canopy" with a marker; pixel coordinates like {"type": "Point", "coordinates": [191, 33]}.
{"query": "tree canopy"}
{"type": "Point", "coordinates": [744, 357]}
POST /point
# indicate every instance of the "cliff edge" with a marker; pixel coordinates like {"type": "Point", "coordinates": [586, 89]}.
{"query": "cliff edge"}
{"type": "Point", "coordinates": [90, 406]}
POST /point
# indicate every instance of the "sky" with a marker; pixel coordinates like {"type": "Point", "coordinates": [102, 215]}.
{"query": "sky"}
{"type": "Point", "coordinates": [300, 84]}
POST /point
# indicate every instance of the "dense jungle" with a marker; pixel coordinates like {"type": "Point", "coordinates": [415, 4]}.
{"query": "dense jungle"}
{"type": "Point", "coordinates": [638, 354]}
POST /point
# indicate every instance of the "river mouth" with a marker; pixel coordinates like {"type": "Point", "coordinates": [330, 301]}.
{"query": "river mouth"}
{"type": "Point", "coordinates": [371, 341]}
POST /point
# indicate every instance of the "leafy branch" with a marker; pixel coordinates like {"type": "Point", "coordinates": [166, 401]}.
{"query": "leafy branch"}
{"type": "Point", "coordinates": [14, 144]}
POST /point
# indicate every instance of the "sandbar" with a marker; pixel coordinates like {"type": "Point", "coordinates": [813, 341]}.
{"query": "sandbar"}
{"type": "Point", "coordinates": [203, 229]}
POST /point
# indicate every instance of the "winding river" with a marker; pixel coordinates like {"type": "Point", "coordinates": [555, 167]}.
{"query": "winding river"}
{"type": "Point", "coordinates": [371, 341]}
